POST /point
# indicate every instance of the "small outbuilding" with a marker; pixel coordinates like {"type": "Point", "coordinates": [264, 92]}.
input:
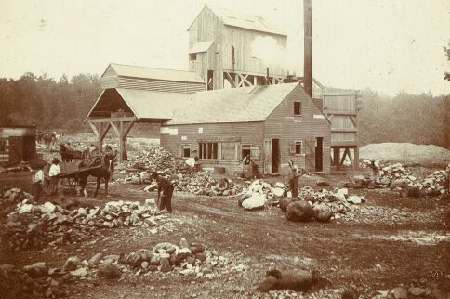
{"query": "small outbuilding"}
{"type": "Point", "coordinates": [17, 143]}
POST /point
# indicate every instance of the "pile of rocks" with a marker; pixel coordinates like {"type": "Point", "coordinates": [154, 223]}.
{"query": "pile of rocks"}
{"type": "Point", "coordinates": [203, 183]}
{"type": "Point", "coordinates": [259, 194]}
{"type": "Point", "coordinates": [33, 226]}
{"type": "Point", "coordinates": [137, 171]}
{"type": "Point", "coordinates": [322, 205]}
{"type": "Point", "coordinates": [414, 291]}
{"type": "Point", "coordinates": [14, 196]}
{"type": "Point", "coordinates": [187, 259]}
{"type": "Point", "coordinates": [398, 177]}
{"type": "Point", "coordinates": [33, 281]}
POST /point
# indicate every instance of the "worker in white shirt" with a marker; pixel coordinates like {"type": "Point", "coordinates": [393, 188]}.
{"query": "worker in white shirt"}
{"type": "Point", "coordinates": [53, 173]}
{"type": "Point", "coordinates": [38, 182]}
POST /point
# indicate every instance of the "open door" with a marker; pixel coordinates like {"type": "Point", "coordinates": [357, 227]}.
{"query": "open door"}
{"type": "Point", "coordinates": [267, 155]}
{"type": "Point", "coordinates": [318, 154]}
{"type": "Point", "coordinates": [276, 155]}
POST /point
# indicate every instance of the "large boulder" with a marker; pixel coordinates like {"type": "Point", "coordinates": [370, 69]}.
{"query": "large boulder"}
{"type": "Point", "coordinates": [255, 202]}
{"type": "Point", "coordinates": [284, 202]}
{"type": "Point", "coordinates": [299, 211]}
{"type": "Point", "coordinates": [299, 280]}
{"type": "Point", "coordinates": [322, 213]}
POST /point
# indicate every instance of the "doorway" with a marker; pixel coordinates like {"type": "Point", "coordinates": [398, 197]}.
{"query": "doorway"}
{"type": "Point", "coordinates": [275, 155]}
{"type": "Point", "coordinates": [318, 154]}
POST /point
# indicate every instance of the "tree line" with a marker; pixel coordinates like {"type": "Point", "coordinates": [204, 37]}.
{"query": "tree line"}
{"type": "Point", "coordinates": [418, 119]}
{"type": "Point", "coordinates": [63, 105]}
{"type": "Point", "coordinates": [47, 103]}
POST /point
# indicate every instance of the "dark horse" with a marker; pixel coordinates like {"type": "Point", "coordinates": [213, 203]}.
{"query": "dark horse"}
{"type": "Point", "coordinates": [101, 167]}
{"type": "Point", "coordinates": [69, 154]}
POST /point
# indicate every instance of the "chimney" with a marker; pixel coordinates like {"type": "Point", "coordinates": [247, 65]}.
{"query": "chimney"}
{"type": "Point", "coordinates": [307, 59]}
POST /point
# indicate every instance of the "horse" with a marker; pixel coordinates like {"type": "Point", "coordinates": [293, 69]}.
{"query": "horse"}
{"type": "Point", "coordinates": [69, 154]}
{"type": "Point", "coordinates": [105, 171]}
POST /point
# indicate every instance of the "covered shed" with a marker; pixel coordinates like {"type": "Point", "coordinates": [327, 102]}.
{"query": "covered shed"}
{"type": "Point", "coordinates": [133, 93]}
{"type": "Point", "coordinates": [17, 143]}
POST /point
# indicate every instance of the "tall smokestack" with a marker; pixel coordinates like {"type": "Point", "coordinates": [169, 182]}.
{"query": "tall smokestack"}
{"type": "Point", "coordinates": [307, 59]}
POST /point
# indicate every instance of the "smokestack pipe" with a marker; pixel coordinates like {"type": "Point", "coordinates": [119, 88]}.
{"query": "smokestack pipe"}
{"type": "Point", "coordinates": [307, 59]}
{"type": "Point", "coordinates": [267, 76]}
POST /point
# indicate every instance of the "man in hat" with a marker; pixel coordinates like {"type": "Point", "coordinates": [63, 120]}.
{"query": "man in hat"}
{"type": "Point", "coordinates": [165, 191]}
{"type": "Point", "coordinates": [53, 173]}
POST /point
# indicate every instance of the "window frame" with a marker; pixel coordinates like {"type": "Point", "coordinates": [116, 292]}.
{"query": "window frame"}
{"type": "Point", "coordinates": [4, 154]}
{"type": "Point", "coordinates": [299, 103]}
{"type": "Point", "coordinates": [183, 148]}
{"type": "Point", "coordinates": [208, 150]}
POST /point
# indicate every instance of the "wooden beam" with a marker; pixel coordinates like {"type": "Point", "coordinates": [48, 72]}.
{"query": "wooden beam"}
{"type": "Point", "coordinates": [116, 130]}
{"type": "Point", "coordinates": [229, 79]}
{"type": "Point", "coordinates": [94, 129]}
{"type": "Point", "coordinates": [128, 128]}
{"type": "Point", "coordinates": [343, 130]}
{"type": "Point", "coordinates": [108, 119]}
{"type": "Point", "coordinates": [103, 134]}
{"type": "Point", "coordinates": [353, 119]}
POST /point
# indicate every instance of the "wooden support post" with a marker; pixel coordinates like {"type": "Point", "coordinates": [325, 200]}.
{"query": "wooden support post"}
{"type": "Point", "coordinates": [236, 80]}
{"type": "Point", "coordinates": [356, 158]}
{"type": "Point", "coordinates": [122, 141]}
{"type": "Point", "coordinates": [103, 134]}
{"type": "Point", "coordinates": [346, 152]}
{"type": "Point", "coordinates": [336, 156]}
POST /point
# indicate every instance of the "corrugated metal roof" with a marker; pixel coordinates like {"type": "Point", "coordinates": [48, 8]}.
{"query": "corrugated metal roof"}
{"type": "Point", "coordinates": [200, 47]}
{"type": "Point", "coordinates": [154, 73]}
{"type": "Point", "coordinates": [232, 105]}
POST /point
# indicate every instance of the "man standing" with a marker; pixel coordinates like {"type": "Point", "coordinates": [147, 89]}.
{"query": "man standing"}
{"type": "Point", "coordinates": [53, 173]}
{"type": "Point", "coordinates": [165, 191]}
{"type": "Point", "coordinates": [293, 179]}
{"type": "Point", "coordinates": [38, 182]}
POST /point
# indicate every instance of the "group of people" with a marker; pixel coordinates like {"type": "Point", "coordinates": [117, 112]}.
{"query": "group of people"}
{"type": "Point", "coordinates": [40, 179]}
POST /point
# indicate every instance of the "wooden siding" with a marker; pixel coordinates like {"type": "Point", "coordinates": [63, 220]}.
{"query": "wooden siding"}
{"type": "Point", "coordinates": [151, 85]}
{"type": "Point", "coordinates": [283, 124]}
{"type": "Point", "coordinates": [208, 27]}
{"type": "Point", "coordinates": [204, 61]}
{"type": "Point", "coordinates": [343, 111]}
{"type": "Point", "coordinates": [242, 41]}
{"type": "Point", "coordinates": [248, 133]}
{"type": "Point", "coordinates": [161, 85]}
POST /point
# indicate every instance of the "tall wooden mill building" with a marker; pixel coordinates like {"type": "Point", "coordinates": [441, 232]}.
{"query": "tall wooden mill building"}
{"type": "Point", "coordinates": [284, 122]}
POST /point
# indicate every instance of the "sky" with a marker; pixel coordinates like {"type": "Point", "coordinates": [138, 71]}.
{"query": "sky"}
{"type": "Point", "coordinates": [388, 46]}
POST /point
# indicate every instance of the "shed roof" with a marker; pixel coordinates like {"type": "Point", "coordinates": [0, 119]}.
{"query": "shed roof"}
{"type": "Point", "coordinates": [154, 73]}
{"type": "Point", "coordinates": [232, 105]}
{"type": "Point", "coordinates": [250, 22]}
{"type": "Point", "coordinates": [146, 104]}
{"type": "Point", "coordinates": [200, 47]}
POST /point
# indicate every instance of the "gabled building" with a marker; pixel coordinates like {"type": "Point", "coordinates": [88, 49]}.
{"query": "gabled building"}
{"type": "Point", "coordinates": [222, 47]}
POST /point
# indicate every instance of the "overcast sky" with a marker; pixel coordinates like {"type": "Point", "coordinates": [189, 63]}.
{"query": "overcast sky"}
{"type": "Point", "coordinates": [387, 45]}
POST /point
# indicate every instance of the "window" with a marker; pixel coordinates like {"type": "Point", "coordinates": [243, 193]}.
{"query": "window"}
{"type": "Point", "coordinates": [251, 150]}
{"type": "Point", "coordinates": [208, 151]}
{"type": "Point", "coordinates": [298, 147]}
{"type": "Point", "coordinates": [186, 150]}
{"type": "Point", "coordinates": [228, 150]}
{"type": "Point", "coordinates": [192, 56]}
{"type": "Point", "coordinates": [297, 108]}
{"type": "Point", "coordinates": [4, 149]}
{"type": "Point", "coordinates": [295, 148]}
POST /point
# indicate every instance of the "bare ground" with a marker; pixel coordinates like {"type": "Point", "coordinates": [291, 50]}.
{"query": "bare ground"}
{"type": "Point", "coordinates": [367, 256]}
